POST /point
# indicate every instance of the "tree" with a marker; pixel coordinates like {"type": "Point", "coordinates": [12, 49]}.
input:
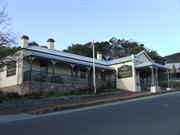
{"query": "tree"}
{"type": "Point", "coordinates": [116, 45]}
{"type": "Point", "coordinates": [174, 71]}
{"type": "Point", "coordinates": [7, 39]}
{"type": "Point", "coordinates": [155, 56]}
{"type": "Point", "coordinates": [114, 48]}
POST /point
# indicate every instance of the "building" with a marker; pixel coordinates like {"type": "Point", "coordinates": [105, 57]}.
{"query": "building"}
{"type": "Point", "coordinates": [173, 60]}
{"type": "Point", "coordinates": [42, 68]}
{"type": "Point", "coordinates": [177, 66]}
{"type": "Point", "coordinates": [170, 64]}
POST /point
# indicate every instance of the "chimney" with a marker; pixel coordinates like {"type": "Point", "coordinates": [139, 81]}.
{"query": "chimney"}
{"type": "Point", "coordinates": [99, 56]}
{"type": "Point", "coordinates": [50, 42]}
{"type": "Point", "coordinates": [24, 41]}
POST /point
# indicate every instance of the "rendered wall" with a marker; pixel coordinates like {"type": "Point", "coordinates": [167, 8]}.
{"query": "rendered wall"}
{"type": "Point", "coordinates": [128, 83]}
{"type": "Point", "coordinates": [11, 80]}
{"type": "Point", "coordinates": [63, 69]}
{"type": "Point", "coordinates": [142, 59]}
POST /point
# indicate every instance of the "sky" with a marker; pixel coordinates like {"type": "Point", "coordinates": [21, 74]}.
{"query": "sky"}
{"type": "Point", "coordinates": [155, 23]}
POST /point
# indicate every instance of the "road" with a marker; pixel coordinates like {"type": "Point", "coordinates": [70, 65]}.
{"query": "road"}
{"type": "Point", "coordinates": [151, 116]}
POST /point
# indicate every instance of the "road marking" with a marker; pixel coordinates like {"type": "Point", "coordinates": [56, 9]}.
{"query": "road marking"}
{"type": "Point", "coordinates": [23, 116]}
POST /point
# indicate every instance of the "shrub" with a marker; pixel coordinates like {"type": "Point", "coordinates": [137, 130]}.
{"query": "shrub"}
{"type": "Point", "coordinates": [5, 96]}
{"type": "Point", "coordinates": [47, 94]}
{"type": "Point", "coordinates": [2, 96]}
{"type": "Point", "coordinates": [12, 95]}
{"type": "Point", "coordinates": [163, 84]}
{"type": "Point", "coordinates": [34, 95]}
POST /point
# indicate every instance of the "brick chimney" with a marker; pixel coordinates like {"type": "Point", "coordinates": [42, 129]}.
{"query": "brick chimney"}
{"type": "Point", "coordinates": [24, 41]}
{"type": "Point", "coordinates": [50, 44]}
{"type": "Point", "coordinates": [99, 55]}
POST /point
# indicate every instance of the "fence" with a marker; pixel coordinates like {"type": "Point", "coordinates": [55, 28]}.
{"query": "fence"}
{"type": "Point", "coordinates": [64, 78]}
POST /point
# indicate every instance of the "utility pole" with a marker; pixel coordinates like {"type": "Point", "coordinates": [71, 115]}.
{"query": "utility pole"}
{"type": "Point", "coordinates": [94, 69]}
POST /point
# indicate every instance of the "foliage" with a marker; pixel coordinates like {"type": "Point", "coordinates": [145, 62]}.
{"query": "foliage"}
{"type": "Point", "coordinates": [173, 58]}
{"type": "Point", "coordinates": [33, 95]}
{"type": "Point", "coordinates": [6, 51]}
{"type": "Point", "coordinates": [6, 96]}
{"type": "Point", "coordinates": [114, 48]}
{"type": "Point", "coordinates": [84, 50]}
{"type": "Point", "coordinates": [174, 71]}
{"type": "Point", "coordinates": [156, 57]}
{"type": "Point", "coordinates": [8, 55]}
{"type": "Point", "coordinates": [7, 39]}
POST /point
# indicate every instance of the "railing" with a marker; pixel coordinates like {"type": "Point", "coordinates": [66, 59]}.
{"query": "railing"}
{"type": "Point", "coordinates": [172, 84]}
{"type": "Point", "coordinates": [63, 78]}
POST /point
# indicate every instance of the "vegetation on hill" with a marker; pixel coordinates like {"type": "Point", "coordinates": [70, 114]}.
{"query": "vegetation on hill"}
{"type": "Point", "coordinates": [173, 58]}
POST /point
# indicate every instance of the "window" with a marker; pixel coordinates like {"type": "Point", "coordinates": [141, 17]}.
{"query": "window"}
{"type": "Point", "coordinates": [82, 73]}
{"type": "Point", "coordinates": [75, 71]}
{"type": "Point", "coordinates": [43, 66]}
{"type": "Point", "coordinates": [11, 69]}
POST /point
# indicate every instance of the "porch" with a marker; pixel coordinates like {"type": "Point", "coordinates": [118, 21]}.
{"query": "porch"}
{"type": "Point", "coordinates": [47, 74]}
{"type": "Point", "coordinates": [152, 76]}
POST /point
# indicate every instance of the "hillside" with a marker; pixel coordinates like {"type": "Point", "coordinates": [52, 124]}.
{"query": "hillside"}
{"type": "Point", "coordinates": [173, 58]}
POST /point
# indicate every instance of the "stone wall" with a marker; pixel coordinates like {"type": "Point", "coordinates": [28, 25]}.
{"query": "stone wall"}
{"type": "Point", "coordinates": [32, 87]}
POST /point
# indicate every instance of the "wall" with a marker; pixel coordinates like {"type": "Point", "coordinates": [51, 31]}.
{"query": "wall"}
{"type": "Point", "coordinates": [15, 79]}
{"type": "Point", "coordinates": [109, 75]}
{"type": "Point", "coordinates": [62, 68]}
{"type": "Point", "coordinates": [142, 59]}
{"type": "Point", "coordinates": [128, 83]}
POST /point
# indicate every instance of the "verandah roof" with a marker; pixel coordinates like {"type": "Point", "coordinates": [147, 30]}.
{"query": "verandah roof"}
{"type": "Point", "coordinates": [68, 59]}
{"type": "Point", "coordinates": [151, 63]}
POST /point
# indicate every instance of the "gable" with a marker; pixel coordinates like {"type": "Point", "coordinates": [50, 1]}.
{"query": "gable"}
{"type": "Point", "coordinates": [142, 57]}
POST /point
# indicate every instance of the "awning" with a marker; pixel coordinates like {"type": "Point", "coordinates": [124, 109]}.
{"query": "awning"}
{"type": "Point", "coordinates": [147, 64]}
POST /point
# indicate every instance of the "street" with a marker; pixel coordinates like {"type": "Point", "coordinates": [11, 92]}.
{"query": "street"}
{"type": "Point", "coordinates": [152, 116]}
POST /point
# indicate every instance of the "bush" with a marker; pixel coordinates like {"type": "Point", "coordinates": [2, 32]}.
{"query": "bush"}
{"type": "Point", "coordinates": [2, 96]}
{"type": "Point", "coordinates": [34, 95]}
{"type": "Point", "coordinates": [12, 95]}
{"type": "Point", "coordinates": [48, 94]}
{"type": "Point", "coordinates": [5, 96]}
{"type": "Point", "coordinates": [163, 84]}
{"type": "Point", "coordinates": [175, 84]}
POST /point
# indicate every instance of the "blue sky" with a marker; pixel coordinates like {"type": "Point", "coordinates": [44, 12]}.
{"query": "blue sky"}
{"type": "Point", "coordinates": [155, 23]}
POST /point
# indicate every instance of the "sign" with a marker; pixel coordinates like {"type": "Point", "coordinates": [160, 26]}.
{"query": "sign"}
{"type": "Point", "coordinates": [125, 71]}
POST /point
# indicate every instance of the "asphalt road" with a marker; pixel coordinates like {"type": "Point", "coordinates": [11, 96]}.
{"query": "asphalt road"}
{"type": "Point", "coordinates": [153, 116]}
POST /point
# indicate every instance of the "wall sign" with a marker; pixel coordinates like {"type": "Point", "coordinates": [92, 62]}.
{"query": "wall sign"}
{"type": "Point", "coordinates": [125, 71]}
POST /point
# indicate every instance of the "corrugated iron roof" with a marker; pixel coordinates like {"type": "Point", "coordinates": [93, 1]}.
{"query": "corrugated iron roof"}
{"type": "Point", "coordinates": [74, 58]}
